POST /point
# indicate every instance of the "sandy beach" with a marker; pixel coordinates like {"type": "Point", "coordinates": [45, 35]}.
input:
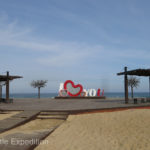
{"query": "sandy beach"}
{"type": "Point", "coordinates": [121, 130]}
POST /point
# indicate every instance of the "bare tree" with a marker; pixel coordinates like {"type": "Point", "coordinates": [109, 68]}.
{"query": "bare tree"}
{"type": "Point", "coordinates": [39, 84]}
{"type": "Point", "coordinates": [133, 82]}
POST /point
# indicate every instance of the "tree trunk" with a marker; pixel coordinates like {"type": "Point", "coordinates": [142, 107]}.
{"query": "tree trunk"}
{"type": "Point", "coordinates": [131, 91]}
{"type": "Point", "coordinates": [0, 91]}
{"type": "Point", "coordinates": [38, 92]}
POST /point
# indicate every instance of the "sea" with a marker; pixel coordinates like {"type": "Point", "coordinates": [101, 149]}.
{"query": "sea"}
{"type": "Point", "coordinates": [51, 95]}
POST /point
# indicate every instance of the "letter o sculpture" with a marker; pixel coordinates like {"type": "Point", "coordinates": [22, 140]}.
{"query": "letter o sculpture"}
{"type": "Point", "coordinates": [92, 92]}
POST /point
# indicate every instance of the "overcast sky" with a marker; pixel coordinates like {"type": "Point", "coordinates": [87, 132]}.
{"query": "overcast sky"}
{"type": "Point", "coordinates": [87, 41]}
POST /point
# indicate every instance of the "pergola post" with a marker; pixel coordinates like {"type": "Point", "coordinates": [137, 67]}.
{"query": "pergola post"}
{"type": "Point", "coordinates": [149, 86]}
{"type": "Point", "coordinates": [0, 91]}
{"type": "Point", "coordinates": [7, 87]}
{"type": "Point", "coordinates": [126, 85]}
{"type": "Point", "coordinates": [136, 72]}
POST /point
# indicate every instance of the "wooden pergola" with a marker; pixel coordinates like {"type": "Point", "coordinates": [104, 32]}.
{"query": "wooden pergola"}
{"type": "Point", "coordinates": [136, 72]}
{"type": "Point", "coordinates": [7, 78]}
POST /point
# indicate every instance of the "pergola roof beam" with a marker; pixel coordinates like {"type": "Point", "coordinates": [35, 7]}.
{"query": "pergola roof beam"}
{"type": "Point", "coordinates": [5, 78]}
{"type": "Point", "coordinates": [137, 72]}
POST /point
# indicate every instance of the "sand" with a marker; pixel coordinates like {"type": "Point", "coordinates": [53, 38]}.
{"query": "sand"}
{"type": "Point", "coordinates": [121, 130]}
{"type": "Point", "coordinates": [7, 114]}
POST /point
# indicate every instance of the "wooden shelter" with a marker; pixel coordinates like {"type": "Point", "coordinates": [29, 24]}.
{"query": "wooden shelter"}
{"type": "Point", "coordinates": [136, 72]}
{"type": "Point", "coordinates": [6, 78]}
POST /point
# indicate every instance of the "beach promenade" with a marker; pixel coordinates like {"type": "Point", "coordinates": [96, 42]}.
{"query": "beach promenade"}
{"type": "Point", "coordinates": [70, 105]}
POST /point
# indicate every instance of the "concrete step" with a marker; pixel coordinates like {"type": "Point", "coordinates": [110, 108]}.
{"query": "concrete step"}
{"type": "Point", "coordinates": [63, 117]}
{"type": "Point", "coordinates": [54, 113]}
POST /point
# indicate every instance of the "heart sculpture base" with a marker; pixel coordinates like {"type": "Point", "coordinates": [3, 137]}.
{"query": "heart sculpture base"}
{"type": "Point", "coordinates": [88, 97]}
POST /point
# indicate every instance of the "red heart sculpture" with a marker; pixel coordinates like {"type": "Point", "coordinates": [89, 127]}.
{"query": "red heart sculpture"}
{"type": "Point", "coordinates": [73, 87]}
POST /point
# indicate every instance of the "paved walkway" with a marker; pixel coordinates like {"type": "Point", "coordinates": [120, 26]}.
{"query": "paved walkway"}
{"type": "Point", "coordinates": [67, 105]}
{"type": "Point", "coordinates": [16, 141]}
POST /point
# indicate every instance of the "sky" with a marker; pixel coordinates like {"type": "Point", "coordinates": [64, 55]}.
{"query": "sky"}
{"type": "Point", "coordinates": [87, 41]}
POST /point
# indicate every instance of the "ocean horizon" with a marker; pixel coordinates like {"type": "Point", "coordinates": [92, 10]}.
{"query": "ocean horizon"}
{"type": "Point", "coordinates": [50, 95]}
